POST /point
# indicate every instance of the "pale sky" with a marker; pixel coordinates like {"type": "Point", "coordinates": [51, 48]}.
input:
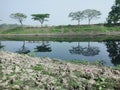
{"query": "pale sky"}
{"type": "Point", "coordinates": [58, 10]}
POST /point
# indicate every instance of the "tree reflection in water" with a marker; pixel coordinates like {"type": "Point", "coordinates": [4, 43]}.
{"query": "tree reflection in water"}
{"type": "Point", "coordinates": [44, 47]}
{"type": "Point", "coordinates": [23, 49]}
{"type": "Point", "coordinates": [113, 47]}
{"type": "Point", "coordinates": [86, 51]}
{"type": "Point", "coordinates": [90, 50]}
{"type": "Point", "coordinates": [76, 50]}
{"type": "Point", "coordinates": [1, 46]}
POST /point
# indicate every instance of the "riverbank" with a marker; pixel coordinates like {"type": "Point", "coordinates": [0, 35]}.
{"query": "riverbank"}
{"type": "Point", "coordinates": [58, 38]}
{"type": "Point", "coordinates": [22, 72]}
{"type": "Point", "coordinates": [62, 33]}
{"type": "Point", "coordinates": [63, 30]}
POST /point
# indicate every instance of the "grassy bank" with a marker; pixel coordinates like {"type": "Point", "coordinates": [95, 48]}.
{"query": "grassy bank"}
{"type": "Point", "coordinates": [62, 33]}
{"type": "Point", "coordinates": [70, 29]}
{"type": "Point", "coordinates": [59, 38]}
{"type": "Point", "coordinates": [21, 72]}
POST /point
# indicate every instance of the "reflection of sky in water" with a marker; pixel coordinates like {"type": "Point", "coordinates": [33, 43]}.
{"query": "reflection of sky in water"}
{"type": "Point", "coordinates": [60, 50]}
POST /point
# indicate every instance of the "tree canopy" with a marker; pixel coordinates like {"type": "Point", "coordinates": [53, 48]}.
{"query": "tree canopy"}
{"type": "Point", "coordinates": [77, 16]}
{"type": "Point", "coordinates": [114, 14]}
{"type": "Point", "coordinates": [20, 17]}
{"type": "Point", "coordinates": [91, 14]}
{"type": "Point", "coordinates": [40, 17]}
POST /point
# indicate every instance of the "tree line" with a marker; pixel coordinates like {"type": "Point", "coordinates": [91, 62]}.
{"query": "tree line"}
{"type": "Point", "coordinates": [89, 14]}
{"type": "Point", "coordinates": [85, 14]}
{"type": "Point", "coordinates": [77, 16]}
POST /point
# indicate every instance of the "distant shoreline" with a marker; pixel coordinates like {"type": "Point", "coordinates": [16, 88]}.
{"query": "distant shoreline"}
{"type": "Point", "coordinates": [68, 34]}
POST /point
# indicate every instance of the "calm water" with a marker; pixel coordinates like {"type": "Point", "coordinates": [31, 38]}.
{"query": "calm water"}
{"type": "Point", "coordinates": [109, 51]}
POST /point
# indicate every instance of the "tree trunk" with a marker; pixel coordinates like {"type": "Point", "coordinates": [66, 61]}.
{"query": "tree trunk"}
{"type": "Point", "coordinates": [89, 21]}
{"type": "Point", "coordinates": [78, 22]}
{"type": "Point", "coordinates": [21, 22]}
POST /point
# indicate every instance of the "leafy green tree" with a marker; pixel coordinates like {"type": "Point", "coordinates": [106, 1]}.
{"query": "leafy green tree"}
{"type": "Point", "coordinates": [114, 14]}
{"type": "Point", "coordinates": [20, 17]}
{"type": "Point", "coordinates": [91, 14]}
{"type": "Point", "coordinates": [40, 17]}
{"type": "Point", "coordinates": [77, 16]}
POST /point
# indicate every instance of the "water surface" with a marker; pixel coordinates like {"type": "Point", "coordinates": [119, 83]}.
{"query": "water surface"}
{"type": "Point", "coordinates": [109, 51]}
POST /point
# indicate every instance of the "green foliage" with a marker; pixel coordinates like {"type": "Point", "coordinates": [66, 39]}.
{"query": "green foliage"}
{"type": "Point", "coordinates": [19, 17]}
{"type": "Point", "coordinates": [78, 62]}
{"type": "Point", "coordinates": [114, 14]}
{"type": "Point", "coordinates": [73, 84]}
{"type": "Point", "coordinates": [100, 62]}
{"type": "Point", "coordinates": [91, 14]}
{"type": "Point", "coordinates": [93, 29]}
{"type": "Point", "coordinates": [78, 74]}
{"type": "Point", "coordinates": [117, 67]}
{"type": "Point", "coordinates": [40, 17]}
{"type": "Point", "coordinates": [100, 83]}
{"type": "Point", "coordinates": [49, 73]}
{"type": "Point", "coordinates": [1, 75]}
{"type": "Point", "coordinates": [78, 16]}
{"type": "Point", "coordinates": [39, 67]}
{"type": "Point", "coordinates": [88, 13]}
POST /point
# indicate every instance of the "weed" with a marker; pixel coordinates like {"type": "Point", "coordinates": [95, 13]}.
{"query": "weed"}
{"type": "Point", "coordinates": [39, 67]}
{"type": "Point", "coordinates": [73, 84]}
{"type": "Point", "coordinates": [100, 83]}
{"type": "Point", "coordinates": [117, 67]}
{"type": "Point", "coordinates": [78, 62]}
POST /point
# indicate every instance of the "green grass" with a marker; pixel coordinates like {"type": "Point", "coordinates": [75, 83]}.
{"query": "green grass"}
{"type": "Point", "coordinates": [78, 62]}
{"type": "Point", "coordinates": [1, 75]}
{"type": "Point", "coordinates": [117, 67]}
{"type": "Point", "coordinates": [39, 67]}
{"type": "Point", "coordinates": [61, 29]}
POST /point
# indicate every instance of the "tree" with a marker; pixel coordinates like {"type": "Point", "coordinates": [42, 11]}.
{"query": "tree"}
{"type": "Point", "coordinates": [78, 16]}
{"type": "Point", "coordinates": [114, 14]}
{"type": "Point", "coordinates": [113, 48]}
{"type": "Point", "coordinates": [20, 17]}
{"type": "Point", "coordinates": [91, 14]}
{"type": "Point", "coordinates": [40, 17]}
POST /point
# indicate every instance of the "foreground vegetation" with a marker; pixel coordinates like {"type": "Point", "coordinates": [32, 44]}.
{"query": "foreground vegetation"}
{"type": "Point", "coordinates": [21, 72]}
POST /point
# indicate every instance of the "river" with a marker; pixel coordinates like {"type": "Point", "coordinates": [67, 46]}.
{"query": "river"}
{"type": "Point", "coordinates": [107, 51]}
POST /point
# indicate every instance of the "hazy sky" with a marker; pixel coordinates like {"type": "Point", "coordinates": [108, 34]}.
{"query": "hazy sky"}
{"type": "Point", "coordinates": [58, 10]}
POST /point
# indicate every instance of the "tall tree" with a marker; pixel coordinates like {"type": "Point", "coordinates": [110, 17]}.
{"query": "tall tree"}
{"type": "Point", "coordinates": [20, 17]}
{"type": "Point", "coordinates": [40, 17]}
{"type": "Point", "coordinates": [91, 14]}
{"type": "Point", "coordinates": [77, 16]}
{"type": "Point", "coordinates": [114, 14]}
